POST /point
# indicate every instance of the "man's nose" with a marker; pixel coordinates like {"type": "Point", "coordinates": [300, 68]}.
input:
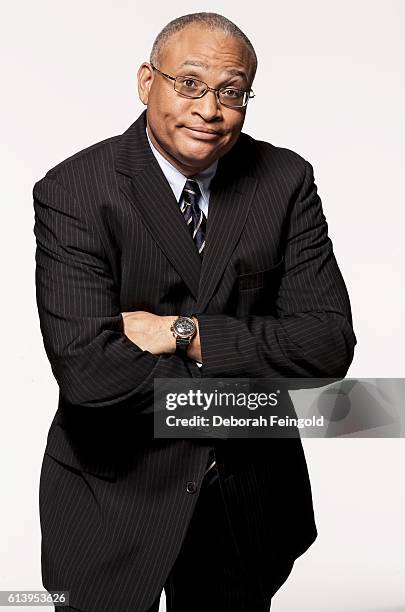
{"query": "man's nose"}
{"type": "Point", "coordinates": [208, 106]}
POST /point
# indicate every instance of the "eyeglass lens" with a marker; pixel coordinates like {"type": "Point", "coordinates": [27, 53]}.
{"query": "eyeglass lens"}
{"type": "Point", "coordinates": [194, 89]}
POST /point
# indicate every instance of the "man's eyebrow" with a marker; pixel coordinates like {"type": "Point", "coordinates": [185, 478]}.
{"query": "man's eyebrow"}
{"type": "Point", "coordinates": [231, 71]}
{"type": "Point", "coordinates": [191, 62]}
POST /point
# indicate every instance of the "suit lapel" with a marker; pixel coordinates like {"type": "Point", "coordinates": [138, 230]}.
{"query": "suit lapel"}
{"type": "Point", "coordinates": [146, 188]}
{"type": "Point", "coordinates": [230, 200]}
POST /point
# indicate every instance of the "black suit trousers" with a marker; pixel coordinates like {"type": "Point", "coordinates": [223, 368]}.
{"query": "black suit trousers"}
{"type": "Point", "coordinates": [209, 573]}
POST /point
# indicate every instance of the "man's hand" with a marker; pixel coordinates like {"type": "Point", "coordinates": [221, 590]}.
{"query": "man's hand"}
{"type": "Point", "coordinates": [152, 333]}
{"type": "Point", "coordinates": [149, 331]}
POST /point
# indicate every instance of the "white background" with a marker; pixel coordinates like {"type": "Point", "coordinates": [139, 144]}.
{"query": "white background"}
{"type": "Point", "coordinates": [330, 85]}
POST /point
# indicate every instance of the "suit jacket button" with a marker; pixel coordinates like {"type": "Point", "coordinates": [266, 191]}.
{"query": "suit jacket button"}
{"type": "Point", "coordinates": [191, 487]}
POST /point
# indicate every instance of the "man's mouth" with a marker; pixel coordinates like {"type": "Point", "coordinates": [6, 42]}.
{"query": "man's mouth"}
{"type": "Point", "coordinates": [203, 133]}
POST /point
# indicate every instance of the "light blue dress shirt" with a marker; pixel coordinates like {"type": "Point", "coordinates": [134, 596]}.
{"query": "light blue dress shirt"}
{"type": "Point", "coordinates": [177, 180]}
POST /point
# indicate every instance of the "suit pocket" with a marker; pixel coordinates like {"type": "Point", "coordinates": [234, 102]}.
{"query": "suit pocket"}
{"type": "Point", "coordinates": [250, 281]}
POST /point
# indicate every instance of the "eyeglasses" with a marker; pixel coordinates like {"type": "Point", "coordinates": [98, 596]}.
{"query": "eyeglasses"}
{"type": "Point", "coordinates": [193, 88]}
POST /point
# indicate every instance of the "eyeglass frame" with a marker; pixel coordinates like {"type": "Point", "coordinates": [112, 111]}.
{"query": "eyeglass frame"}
{"type": "Point", "coordinates": [172, 78]}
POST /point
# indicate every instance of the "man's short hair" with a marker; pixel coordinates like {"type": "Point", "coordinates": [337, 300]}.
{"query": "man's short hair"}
{"type": "Point", "coordinates": [210, 21]}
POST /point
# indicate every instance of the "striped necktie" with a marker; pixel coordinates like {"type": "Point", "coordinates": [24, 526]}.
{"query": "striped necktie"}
{"type": "Point", "coordinates": [192, 213]}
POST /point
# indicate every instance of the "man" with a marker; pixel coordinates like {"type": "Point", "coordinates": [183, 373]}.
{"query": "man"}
{"type": "Point", "coordinates": [182, 215]}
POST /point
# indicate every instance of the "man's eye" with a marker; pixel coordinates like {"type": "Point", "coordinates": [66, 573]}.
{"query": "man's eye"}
{"type": "Point", "coordinates": [232, 93]}
{"type": "Point", "coordinates": [190, 83]}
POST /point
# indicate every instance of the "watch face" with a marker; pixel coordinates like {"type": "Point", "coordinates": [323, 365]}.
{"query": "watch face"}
{"type": "Point", "coordinates": [185, 327]}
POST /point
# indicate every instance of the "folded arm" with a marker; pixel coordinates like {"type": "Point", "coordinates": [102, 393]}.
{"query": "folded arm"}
{"type": "Point", "coordinates": [94, 362]}
{"type": "Point", "coordinates": [311, 334]}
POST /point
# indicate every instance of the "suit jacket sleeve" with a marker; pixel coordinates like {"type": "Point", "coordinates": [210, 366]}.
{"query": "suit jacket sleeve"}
{"type": "Point", "coordinates": [311, 334]}
{"type": "Point", "coordinates": [93, 361]}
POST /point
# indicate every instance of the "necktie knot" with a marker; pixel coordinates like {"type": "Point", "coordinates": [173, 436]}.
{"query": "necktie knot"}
{"type": "Point", "coordinates": [191, 194]}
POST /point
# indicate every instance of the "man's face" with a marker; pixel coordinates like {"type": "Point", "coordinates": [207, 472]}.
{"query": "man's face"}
{"type": "Point", "coordinates": [174, 120]}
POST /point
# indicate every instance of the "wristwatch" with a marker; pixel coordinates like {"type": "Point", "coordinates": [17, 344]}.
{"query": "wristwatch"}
{"type": "Point", "coordinates": [184, 329]}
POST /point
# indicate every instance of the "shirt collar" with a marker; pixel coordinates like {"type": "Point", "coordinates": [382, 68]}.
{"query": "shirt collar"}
{"type": "Point", "coordinates": [177, 180]}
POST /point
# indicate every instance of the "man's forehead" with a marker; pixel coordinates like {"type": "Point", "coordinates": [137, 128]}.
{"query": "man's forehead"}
{"type": "Point", "coordinates": [193, 46]}
{"type": "Point", "coordinates": [200, 64]}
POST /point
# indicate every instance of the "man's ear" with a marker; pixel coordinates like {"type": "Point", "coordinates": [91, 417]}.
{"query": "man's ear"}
{"type": "Point", "coordinates": [145, 80]}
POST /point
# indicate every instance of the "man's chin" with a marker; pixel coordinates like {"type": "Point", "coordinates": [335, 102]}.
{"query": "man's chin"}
{"type": "Point", "coordinates": [198, 157]}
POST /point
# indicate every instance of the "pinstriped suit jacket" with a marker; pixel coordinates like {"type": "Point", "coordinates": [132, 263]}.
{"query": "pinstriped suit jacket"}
{"type": "Point", "coordinates": [115, 503]}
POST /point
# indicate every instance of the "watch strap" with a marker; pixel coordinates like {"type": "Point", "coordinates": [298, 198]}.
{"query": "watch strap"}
{"type": "Point", "coordinates": [181, 345]}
